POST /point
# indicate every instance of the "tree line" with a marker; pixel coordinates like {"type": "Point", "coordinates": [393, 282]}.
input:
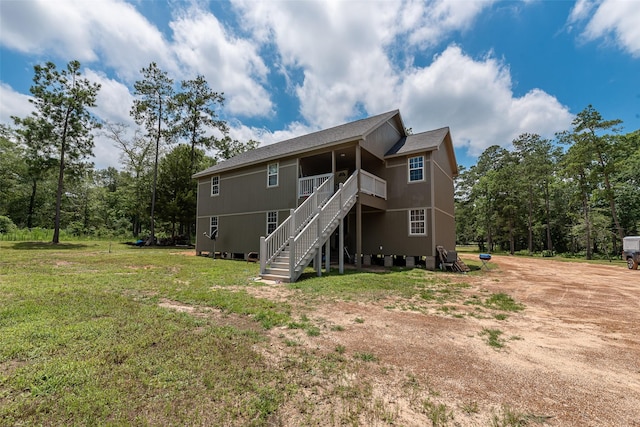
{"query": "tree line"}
{"type": "Point", "coordinates": [578, 194]}
{"type": "Point", "coordinates": [46, 180]}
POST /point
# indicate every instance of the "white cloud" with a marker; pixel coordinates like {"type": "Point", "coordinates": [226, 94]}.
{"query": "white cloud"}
{"type": "Point", "coordinates": [341, 59]}
{"type": "Point", "coordinates": [429, 22]}
{"type": "Point", "coordinates": [244, 133]}
{"type": "Point", "coordinates": [230, 64]}
{"type": "Point", "coordinates": [345, 54]}
{"type": "Point", "coordinates": [109, 31]}
{"type": "Point", "coordinates": [13, 103]}
{"type": "Point", "coordinates": [337, 46]}
{"type": "Point", "coordinates": [475, 98]}
{"type": "Point", "coordinates": [113, 104]}
{"type": "Point", "coordinates": [114, 99]}
{"type": "Point", "coordinates": [614, 20]}
{"type": "Point", "coordinates": [581, 10]}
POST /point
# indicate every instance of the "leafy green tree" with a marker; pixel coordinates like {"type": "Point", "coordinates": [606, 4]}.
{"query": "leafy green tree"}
{"type": "Point", "coordinates": [11, 168]}
{"type": "Point", "coordinates": [197, 120]}
{"type": "Point", "coordinates": [485, 195]}
{"type": "Point", "coordinates": [62, 100]}
{"type": "Point", "coordinates": [137, 161]}
{"type": "Point", "coordinates": [38, 159]}
{"type": "Point", "coordinates": [577, 167]}
{"type": "Point", "coordinates": [154, 110]}
{"type": "Point", "coordinates": [537, 158]}
{"type": "Point", "coordinates": [626, 179]}
{"type": "Point", "coordinates": [589, 129]}
{"type": "Point", "coordinates": [198, 123]}
{"type": "Point", "coordinates": [228, 147]}
{"type": "Point", "coordinates": [177, 191]}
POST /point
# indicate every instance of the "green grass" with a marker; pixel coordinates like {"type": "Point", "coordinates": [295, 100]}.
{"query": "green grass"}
{"type": "Point", "coordinates": [84, 342]}
{"type": "Point", "coordinates": [493, 337]}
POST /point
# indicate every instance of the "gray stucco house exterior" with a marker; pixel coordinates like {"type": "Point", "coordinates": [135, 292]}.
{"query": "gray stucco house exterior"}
{"type": "Point", "coordinates": [362, 190]}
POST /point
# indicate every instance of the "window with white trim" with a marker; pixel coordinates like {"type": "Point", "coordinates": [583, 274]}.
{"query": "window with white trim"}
{"type": "Point", "coordinates": [213, 227]}
{"type": "Point", "coordinates": [272, 175]}
{"type": "Point", "coordinates": [215, 185]}
{"type": "Point", "coordinates": [417, 222]}
{"type": "Point", "coordinates": [272, 221]}
{"type": "Point", "coordinates": [416, 168]}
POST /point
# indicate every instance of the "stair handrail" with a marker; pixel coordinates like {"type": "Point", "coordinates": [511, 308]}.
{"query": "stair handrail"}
{"type": "Point", "coordinates": [309, 207]}
{"type": "Point", "coordinates": [308, 238]}
{"type": "Point", "coordinates": [274, 243]}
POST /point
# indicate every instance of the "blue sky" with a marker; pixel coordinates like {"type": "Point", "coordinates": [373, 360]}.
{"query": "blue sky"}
{"type": "Point", "coordinates": [488, 70]}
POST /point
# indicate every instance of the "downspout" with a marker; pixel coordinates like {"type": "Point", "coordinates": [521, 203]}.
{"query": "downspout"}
{"type": "Point", "coordinates": [433, 206]}
{"type": "Point", "coordinates": [199, 198]}
{"type": "Point", "coordinates": [358, 253]}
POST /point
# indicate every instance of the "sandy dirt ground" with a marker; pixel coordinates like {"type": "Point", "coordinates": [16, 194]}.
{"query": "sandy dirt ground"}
{"type": "Point", "coordinates": [570, 358]}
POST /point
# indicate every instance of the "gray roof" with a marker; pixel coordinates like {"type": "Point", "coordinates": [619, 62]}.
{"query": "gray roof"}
{"type": "Point", "coordinates": [429, 140]}
{"type": "Point", "coordinates": [336, 135]}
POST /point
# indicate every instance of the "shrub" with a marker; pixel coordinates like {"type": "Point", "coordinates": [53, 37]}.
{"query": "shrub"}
{"type": "Point", "coordinates": [6, 225]}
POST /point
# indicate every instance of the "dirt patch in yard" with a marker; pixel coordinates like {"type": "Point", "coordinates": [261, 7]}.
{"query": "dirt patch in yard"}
{"type": "Point", "coordinates": [570, 358]}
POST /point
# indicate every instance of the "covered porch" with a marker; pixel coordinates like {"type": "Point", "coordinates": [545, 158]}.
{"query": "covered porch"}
{"type": "Point", "coordinates": [340, 164]}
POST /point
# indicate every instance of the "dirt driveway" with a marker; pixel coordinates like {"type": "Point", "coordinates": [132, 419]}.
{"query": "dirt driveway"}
{"type": "Point", "coordinates": [570, 358]}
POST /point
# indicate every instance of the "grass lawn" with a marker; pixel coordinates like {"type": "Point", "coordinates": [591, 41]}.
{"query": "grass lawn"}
{"type": "Point", "coordinates": [85, 338]}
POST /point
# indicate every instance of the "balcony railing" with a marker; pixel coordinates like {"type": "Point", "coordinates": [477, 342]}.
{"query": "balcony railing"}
{"type": "Point", "coordinates": [373, 185]}
{"type": "Point", "coordinates": [308, 184]}
{"type": "Point", "coordinates": [369, 184]}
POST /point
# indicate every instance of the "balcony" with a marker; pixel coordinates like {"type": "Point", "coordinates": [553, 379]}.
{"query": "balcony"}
{"type": "Point", "coordinates": [369, 184]}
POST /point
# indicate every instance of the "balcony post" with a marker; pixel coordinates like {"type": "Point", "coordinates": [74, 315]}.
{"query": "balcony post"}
{"type": "Point", "coordinates": [317, 263]}
{"type": "Point", "coordinates": [292, 243]}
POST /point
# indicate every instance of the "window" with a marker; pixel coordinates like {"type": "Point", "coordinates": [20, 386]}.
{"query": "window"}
{"type": "Point", "coordinates": [215, 185]}
{"type": "Point", "coordinates": [272, 221]}
{"type": "Point", "coordinates": [417, 222]}
{"type": "Point", "coordinates": [416, 169]}
{"type": "Point", "coordinates": [213, 228]}
{"type": "Point", "coordinates": [272, 175]}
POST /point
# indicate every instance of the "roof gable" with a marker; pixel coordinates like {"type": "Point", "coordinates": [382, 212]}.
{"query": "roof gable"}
{"type": "Point", "coordinates": [426, 141]}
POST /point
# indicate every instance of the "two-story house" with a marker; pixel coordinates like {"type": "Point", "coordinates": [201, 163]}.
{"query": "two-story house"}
{"type": "Point", "coordinates": [359, 190]}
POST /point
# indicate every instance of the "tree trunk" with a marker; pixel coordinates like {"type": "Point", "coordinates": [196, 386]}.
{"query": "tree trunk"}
{"type": "Point", "coordinates": [32, 203]}
{"type": "Point", "coordinates": [548, 216]}
{"type": "Point", "coordinates": [530, 221]}
{"type": "Point", "coordinates": [155, 181]}
{"type": "Point", "coordinates": [63, 148]}
{"type": "Point", "coordinates": [512, 243]}
{"type": "Point", "coordinates": [587, 224]}
{"type": "Point", "coordinates": [56, 224]}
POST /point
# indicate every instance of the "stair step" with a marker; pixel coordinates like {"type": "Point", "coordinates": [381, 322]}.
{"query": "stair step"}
{"type": "Point", "coordinates": [280, 265]}
{"type": "Point", "coordinates": [278, 271]}
{"type": "Point", "coordinates": [276, 278]}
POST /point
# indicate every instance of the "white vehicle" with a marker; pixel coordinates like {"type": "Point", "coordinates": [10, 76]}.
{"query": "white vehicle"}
{"type": "Point", "coordinates": [631, 251]}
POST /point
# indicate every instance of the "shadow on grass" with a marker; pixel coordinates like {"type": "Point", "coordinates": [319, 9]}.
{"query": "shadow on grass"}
{"type": "Point", "coordinates": [133, 245]}
{"type": "Point", "coordinates": [48, 245]}
{"type": "Point", "coordinates": [350, 269]}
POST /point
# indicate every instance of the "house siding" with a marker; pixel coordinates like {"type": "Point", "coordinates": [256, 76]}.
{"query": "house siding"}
{"type": "Point", "coordinates": [390, 230]}
{"type": "Point", "coordinates": [244, 190]}
{"type": "Point", "coordinates": [242, 204]}
{"type": "Point", "coordinates": [401, 194]}
{"type": "Point", "coordinates": [444, 200]}
{"type": "Point", "coordinates": [381, 140]}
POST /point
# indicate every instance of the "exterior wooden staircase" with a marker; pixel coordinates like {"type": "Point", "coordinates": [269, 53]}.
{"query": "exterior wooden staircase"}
{"type": "Point", "coordinates": [286, 252]}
